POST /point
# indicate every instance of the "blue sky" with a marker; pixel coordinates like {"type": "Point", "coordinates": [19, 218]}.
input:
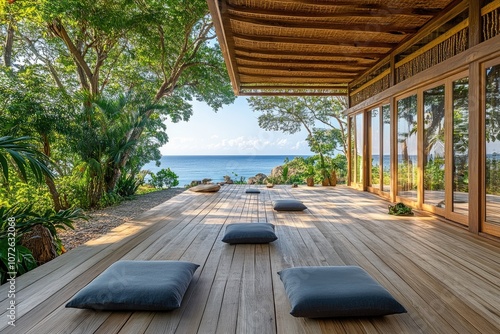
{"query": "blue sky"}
{"type": "Point", "coordinates": [233, 130]}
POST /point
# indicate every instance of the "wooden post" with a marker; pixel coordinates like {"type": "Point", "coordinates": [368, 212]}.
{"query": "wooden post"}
{"type": "Point", "coordinates": [349, 149]}
{"type": "Point", "coordinates": [394, 149]}
{"type": "Point", "coordinates": [475, 22]}
{"type": "Point", "coordinates": [476, 149]}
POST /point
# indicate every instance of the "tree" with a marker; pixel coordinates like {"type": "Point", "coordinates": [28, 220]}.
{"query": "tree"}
{"type": "Point", "coordinates": [291, 114]}
{"type": "Point", "coordinates": [161, 53]}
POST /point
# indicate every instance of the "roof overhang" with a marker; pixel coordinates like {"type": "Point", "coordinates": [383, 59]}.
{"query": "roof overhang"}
{"type": "Point", "coordinates": [313, 47]}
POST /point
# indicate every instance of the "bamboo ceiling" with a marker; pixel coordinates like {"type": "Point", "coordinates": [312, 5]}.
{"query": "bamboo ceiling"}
{"type": "Point", "coordinates": [312, 47]}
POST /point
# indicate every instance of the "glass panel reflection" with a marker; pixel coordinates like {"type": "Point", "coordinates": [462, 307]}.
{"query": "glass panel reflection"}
{"type": "Point", "coordinates": [375, 149]}
{"type": "Point", "coordinates": [386, 147]}
{"type": "Point", "coordinates": [359, 149]}
{"type": "Point", "coordinates": [461, 146]}
{"type": "Point", "coordinates": [492, 131]}
{"type": "Point", "coordinates": [407, 147]}
{"type": "Point", "coordinates": [434, 147]}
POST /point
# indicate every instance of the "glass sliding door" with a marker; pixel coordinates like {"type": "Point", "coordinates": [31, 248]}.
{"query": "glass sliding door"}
{"type": "Point", "coordinates": [407, 148]}
{"type": "Point", "coordinates": [385, 151]}
{"type": "Point", "coordinates": [492, 158]}
{"type": "Point", "coordinates": [352, 153]}
{"type": "Point", "coordinates": [460, 140]}
{"type": "Point", "coordinates": [376, 154]}
{"type": "Point", "coordinates": [434, 146]}
{"type": "Point", "coordinates": [359, 149]}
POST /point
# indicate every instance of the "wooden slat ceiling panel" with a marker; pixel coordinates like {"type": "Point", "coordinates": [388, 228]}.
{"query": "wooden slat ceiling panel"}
{"type": "Point", "coordinates": [302, 43]}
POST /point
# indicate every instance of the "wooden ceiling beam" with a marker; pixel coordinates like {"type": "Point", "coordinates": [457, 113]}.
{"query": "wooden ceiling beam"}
{"type": "Point", "coordinates": [362, 11]}
{"type": "Point", "coordinates": [362, 55]}
{"type": "Point", "coordinates": [390, 29]}
{"type": "Point", "coordinates": [313, 87]}
{"type": "Point", "coordinates": [284, 60]}
{"type": "Point", "coordinates": [221, 22]}
{"type": "Point", "coordinates": [313, 41]}
{"type": "Point", "coordinates": [296, 93]}
{"type": "Point", "coordinates": [351, 4]}
{"type": "Point", "coordinates": [279, 67]}
{"type": "Point", "coordinates": [310, 75]}
{"type": "Point", "coordinates": [452, 10]}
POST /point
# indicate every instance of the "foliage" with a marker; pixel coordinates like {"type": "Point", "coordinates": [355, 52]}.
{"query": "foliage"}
{"type": "Point", "coordinates": [434, 174]}
{"type": "Point", "coordinates": [291, 114]}
{"type": "Point", "coordinates": [23, 259]}
{"type": "Point", "coordinates": [128, 184]}
{"type": "Point", "coordinates": [493, 176]}
{"type": "Point", "coordinates": [25, 219]}
{"type": "Point", "coordinates": [300, 168]}
{"type": "Point", "coordinates": [164, 178]}
{"type": "Point", "coordinates": [400, 209]}
{"type": "Point", "coordinates": [25, 193]}
{"type": "Point", "coordinates": [94, 83]}
{"type": "Point", "coordinates": [22, 155]}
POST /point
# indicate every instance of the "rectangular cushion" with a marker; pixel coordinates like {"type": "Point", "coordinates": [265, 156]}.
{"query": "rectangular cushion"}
{"type": "Point", "coordinates": [137, 285]}
{"type": "Point", "coordinates": [252, 191]}
{"type": "Point", "coordinates": [289, 205]}
{"type": "Point", "coordinates": [337, 291]}
{"type": "Point", "coordinates": [249, 233]}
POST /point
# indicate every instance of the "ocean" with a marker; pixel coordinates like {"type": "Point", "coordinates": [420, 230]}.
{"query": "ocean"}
{"type": "Point", "coordinates": [198, 167]}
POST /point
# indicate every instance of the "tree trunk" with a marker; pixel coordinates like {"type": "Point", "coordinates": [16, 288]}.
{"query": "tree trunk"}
{"type": "Point", "coordinates": [56, 197]}
{"type": "Point", "coordinates": [9, 42]}
{"type": "Point", "coordinates": [41, 244]}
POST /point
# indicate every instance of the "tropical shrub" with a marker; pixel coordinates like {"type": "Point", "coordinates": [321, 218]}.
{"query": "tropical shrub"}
{"type": "Point", "coordinates": [20, 219]}
{"type": "Point", "coordinates": [14, 258]}
{"type": "Point", "coordinates": [164, 178]}
{"type": "Point", "coordinates": [128, 185]}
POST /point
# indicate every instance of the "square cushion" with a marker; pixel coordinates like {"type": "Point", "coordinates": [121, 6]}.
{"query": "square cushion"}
{"type": "Point", "coordinates": [249, 233]}
{"type": "Point", "coordinates": [252, 191]}
{"type": "Point", "coordinates": [289, 205]}
{"type": "Point", "coordinates": [137, 285]}
{"type": "Point", "coordinates": [344, 291]}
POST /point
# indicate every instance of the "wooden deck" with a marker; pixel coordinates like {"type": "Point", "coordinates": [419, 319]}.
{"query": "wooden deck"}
{"type": "Point", "coordinates": [447, 278]}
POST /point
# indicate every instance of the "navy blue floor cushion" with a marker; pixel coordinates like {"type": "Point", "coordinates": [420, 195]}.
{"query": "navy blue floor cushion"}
{"type": "Point", "coordinates": [249, 233]}
{"type": "Point", "coordinates": [343, 291]}
{"type": "Point", "coordinates": [252, 191]}
{"type": "Point", "coordinates": [137, 286]}
{"type": "Point", "coordinates": [289, 205]}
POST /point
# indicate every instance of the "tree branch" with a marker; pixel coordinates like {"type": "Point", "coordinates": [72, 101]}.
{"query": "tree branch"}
{"type": "Point", "coordinates": [47, 62]}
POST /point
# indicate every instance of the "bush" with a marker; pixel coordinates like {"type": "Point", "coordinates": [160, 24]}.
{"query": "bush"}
{"type": "Point", "coordinates": [164, 178]}
{"type": "Point", "coordinates": [127, 185]}
{"type": "Point", "coordinates": [25, 219]}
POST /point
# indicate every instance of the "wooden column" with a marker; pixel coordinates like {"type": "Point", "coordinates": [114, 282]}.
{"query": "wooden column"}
{"type": "Point", "coordinates": [392, 74]}
{"type": "Point", "coordinates": [394, 149]}
{"type": "Point", "coordinates": [349, 149]}
{"type": "Point", "coordinates": [476, 148]}
{"type": "Point", "coordinates": [420, 148]}
{"type": "Point", "coordinates": [366, 164]}
{"type": "Point", "coordinates": [475, 22]}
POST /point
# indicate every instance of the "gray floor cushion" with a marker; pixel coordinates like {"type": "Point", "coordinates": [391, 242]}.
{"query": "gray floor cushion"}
{"type": "Point", "coordinates": [289, 205]}
{"type": "Point", "coordinates": [252, 191]}
{"type": "Point", "coordinates": [343, 291]}
{"type": "Point", "coordinates": [249, 233]}
{"type": "Point", "coordinates": [137, 285]}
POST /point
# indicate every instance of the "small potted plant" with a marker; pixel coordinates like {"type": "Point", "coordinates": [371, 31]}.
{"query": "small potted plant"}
{"type": "Point", "coordinates": [400, 209]}
{"type": "Point", "coordinates": [328, 174]}
{"type": "Point", "coordinates": [309, 175]}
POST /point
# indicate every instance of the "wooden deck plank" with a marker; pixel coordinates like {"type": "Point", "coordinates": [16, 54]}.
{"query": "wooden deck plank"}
{"type": "Point", "coordinates": [446, 277]}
